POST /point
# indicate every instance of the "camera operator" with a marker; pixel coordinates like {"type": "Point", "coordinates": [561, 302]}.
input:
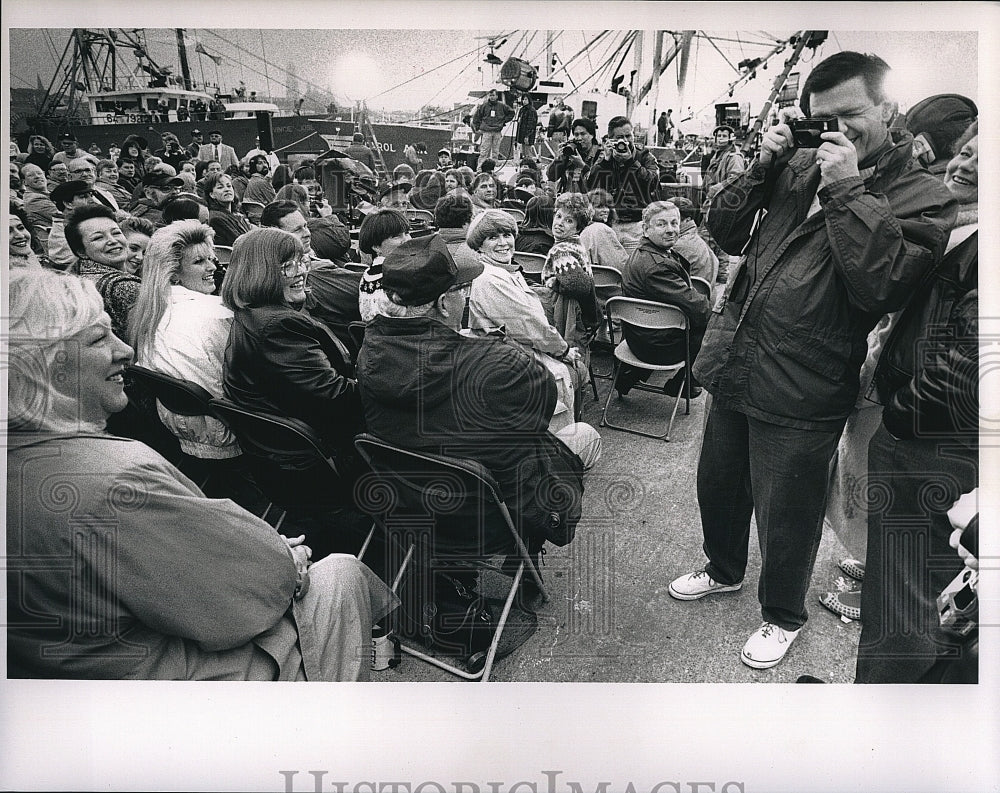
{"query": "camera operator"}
{"type": "Point", "coordinates": [833, 236]}
{"type": "Point", "coordinates": [631, 174]}
{"type": "Point", "coordinates": [584, 145]}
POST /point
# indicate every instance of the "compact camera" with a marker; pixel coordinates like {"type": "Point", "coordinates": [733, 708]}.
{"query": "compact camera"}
{"type": "Point", "coordinates": [622, 147]}
{"type": "Point", "coordinates": [958, 604]}
{"type": "Point", "coordinates": [569, 151]}
{"type": "Point", "coordinates": [807, 131]}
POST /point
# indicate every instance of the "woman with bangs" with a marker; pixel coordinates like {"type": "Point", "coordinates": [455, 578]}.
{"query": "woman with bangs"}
{"type": "Point", "coordinates": [178, 327]}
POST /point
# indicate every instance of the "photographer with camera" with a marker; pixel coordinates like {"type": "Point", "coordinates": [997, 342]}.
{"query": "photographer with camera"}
{"type": "Point", "coordinates": [835, 229]}
{"type": "Point", "coordinates": [631, 174]}
{"type": "Point", "coordinates": [584, 145]}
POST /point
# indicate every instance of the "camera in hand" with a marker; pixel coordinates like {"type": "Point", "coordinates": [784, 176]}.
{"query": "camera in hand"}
{"type": "Point", "coordinates": [569, 151]}
{"type": "Point", "coordinates": [807, 131]}
{"type": "Point", "coordinates": [622, 147]}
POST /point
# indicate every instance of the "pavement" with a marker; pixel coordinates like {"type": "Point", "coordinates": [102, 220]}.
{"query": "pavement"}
{"type": "Point", "coordinates": [610, 618]}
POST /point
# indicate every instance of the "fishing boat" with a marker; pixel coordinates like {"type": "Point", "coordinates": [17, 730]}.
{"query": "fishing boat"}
{"type": "Point", "coordinates": [102, 97]}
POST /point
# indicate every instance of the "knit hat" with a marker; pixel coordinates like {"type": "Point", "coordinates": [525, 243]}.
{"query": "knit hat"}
{"type": "Point", "coordinates": [488, 223]}
{"type": "Point", "coordinates": [937, 122]}
{"type": "Point", "coordinates": [568, 263]}
{"type": "Point", "coordinates": [420, 270]}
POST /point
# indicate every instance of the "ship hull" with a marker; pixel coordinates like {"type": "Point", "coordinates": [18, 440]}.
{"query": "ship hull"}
{"type": "Point", "coordinates": [292, 135]}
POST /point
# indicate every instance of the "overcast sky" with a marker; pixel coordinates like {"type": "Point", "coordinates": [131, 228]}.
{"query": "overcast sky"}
{"type": "Point", "coordinates": [443, 64]}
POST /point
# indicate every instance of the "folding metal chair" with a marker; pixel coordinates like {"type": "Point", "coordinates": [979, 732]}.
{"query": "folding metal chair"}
{"type": "Point", "coordinates": [654, 316]}
{"type": "Point", "coordinates": [422, 216]}
{"type": "Point", "coordinates": [514, 212]}
{"type": "Point", "coordinates": [224, 253]}
{"type": "Point", "coordinates": [267, 439]}
{"type": "Point", "coordinates": [607, 284]}
{"type": "Point", "coordinates": [531, 265]}
{"type": "Point", "coordinates": [462, 514]}
{"type": "Point", "coordinates": [181, 397]}
{"type": "Point", "coordinates": [702, 286]}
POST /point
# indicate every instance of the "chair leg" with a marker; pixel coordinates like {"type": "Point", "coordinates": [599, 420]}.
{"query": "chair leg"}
{"type": "Point", "coordinates": [593, 382]}
{"type": "Point", "coordinates": [665, 436]}
{"type": "Point", "coordinates": [611, 390]}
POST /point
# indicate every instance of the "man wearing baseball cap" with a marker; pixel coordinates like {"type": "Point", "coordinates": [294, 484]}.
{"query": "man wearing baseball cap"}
{"type": "Point", "coordinates": [70, 150]}
{"type": "Point", "coordinates": [427, 386]}
{"type": "Point", "coordinates": [157, 187]}
{"type": "Point", "coordinates": [197, 139]}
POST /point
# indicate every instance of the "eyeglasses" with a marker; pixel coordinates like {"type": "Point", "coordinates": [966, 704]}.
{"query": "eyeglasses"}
{"type": "Point", "coordinates": [292, 267]}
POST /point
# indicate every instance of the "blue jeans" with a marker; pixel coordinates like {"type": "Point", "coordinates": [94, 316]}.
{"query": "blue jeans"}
{"type": "Point", "coordinates": [747, 467]}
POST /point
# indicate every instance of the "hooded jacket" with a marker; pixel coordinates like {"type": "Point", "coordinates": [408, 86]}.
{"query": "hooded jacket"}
{"type": "Point", "coordinates": [425, 387]}
{"type": "Point", "coordinates": [791, 331]}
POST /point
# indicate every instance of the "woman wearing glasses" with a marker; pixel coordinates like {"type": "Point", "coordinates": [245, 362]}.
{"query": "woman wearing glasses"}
{"type": "Point", "coordinates": [281, 361]}
{"type": "Point", "coordinates": [178, 327]}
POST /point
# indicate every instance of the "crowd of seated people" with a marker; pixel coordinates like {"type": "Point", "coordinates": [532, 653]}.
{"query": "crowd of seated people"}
{"type": "Point", "coordinates": [303, 320]}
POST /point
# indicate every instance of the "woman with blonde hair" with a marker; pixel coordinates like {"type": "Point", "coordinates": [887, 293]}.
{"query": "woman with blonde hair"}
{"type": "Point", "coordinates": [178, 327]}
{"type": "Point", "coordinates": [178, 586]}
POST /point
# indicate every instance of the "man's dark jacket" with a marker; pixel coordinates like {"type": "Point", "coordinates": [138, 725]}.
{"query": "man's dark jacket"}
{"type": "Point", "coordinates": [792, 333]}
{"type": "Point", "coordinates": [426, 387]}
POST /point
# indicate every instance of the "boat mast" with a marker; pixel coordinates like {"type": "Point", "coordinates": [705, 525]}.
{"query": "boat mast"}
{"type": "Point", "coordinates": [655, 87]}
{"type": "Point", "coordinates": [183, 59]}
{"type": "Point", "coordinates": [679, 47]}
{"type": "Point", "coordinates": [804, 39]}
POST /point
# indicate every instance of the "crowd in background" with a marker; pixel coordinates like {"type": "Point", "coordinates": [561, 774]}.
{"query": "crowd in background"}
{"type": "Point", "coordinates": [252, 279]}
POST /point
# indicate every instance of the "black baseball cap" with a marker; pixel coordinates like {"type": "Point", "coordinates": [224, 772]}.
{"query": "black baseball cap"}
{"type": "Point", "coordinates": [422, 269]}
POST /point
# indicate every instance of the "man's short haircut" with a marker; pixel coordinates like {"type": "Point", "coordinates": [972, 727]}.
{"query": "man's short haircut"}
{"type": "Point", "coordinates": [102, 164]}
{"type": "Point", "coordinates": [656, 207]}
{"type": "Point", "coordinates": [275, 211]}
{"type": "Point", "coordinates": [180, 208]}
{"type": "Point", "coordinates": [73, 236]}
{"type": "Point", "coordinates": [841, 67]}
{"type": "Point", "coordinates": [380, 225]}
{"type": "Point", "coordinates": [253, 277]}
{"type": "Point", "coordinates": [577, 206]}
{"type": "Point", "coordinates": [587, 123]}
{"type": "Point", "coordinates": [30, 167]}
{"type": "Point", "coordinates": [723, 128]}
{"type": "Point", "coordinates": [487, 166]}
{"type": "Point", "coordinates": [304, 173]}
{"type": "Point", "coordinates": [453, 211]}
{"type": "Point", "coordinates": [358, 138]}
{"type": "Point", "coordinates": [616, 122]}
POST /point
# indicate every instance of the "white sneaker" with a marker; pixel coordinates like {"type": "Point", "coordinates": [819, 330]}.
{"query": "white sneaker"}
{"type": "Point", "coordinates": [767, 646]}
{"type": "Point", "coordinates": [696, 585]}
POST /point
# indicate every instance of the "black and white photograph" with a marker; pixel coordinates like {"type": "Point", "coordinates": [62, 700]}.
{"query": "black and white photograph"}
{"type": "Point", "coordinates": [533, 396]}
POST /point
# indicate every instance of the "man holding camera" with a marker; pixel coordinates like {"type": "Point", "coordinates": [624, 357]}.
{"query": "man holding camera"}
{"type": "Point", "coordinates": [836, 227]}
{"type": "Point", "coordinates": [631, 174]}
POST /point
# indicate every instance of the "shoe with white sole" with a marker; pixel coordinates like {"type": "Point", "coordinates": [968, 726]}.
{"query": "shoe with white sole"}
{"type": "Point", "coordinates": [696, 585]}
{"type": "Point", "coordinates": [767, 646]}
